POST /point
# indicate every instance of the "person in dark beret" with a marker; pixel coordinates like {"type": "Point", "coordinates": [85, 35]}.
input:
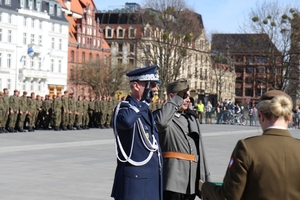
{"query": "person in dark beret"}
{"type": "Point", "coordinates": [139, 168]}
{"type": "Point", "coordinates": [264, 166]}
{"type": "Point", "coordinates": [181, 142]}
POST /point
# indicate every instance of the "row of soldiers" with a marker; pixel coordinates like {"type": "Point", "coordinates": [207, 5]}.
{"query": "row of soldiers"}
{"type": "Point", "coordinates": [60, 112]}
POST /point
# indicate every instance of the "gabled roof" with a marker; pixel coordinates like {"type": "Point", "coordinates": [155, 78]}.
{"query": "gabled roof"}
{"type": "Point", "coordinates": [243, 43]}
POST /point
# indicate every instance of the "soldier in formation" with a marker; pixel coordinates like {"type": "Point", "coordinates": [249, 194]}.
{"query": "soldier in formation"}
{"type": "Point", "coordinates": [57, 112]}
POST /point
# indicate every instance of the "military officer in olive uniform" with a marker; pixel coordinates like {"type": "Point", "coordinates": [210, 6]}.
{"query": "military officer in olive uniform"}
{"type": "Point", "coordinates": [57, 107]}
{"type": "Point", "coordinates": [72, 111]}
{"type": "Point", "coordinates": [5, 99]}
{"type": "Point", "coordinates": [98, 112]}
{"type": "Point", "coordinates": [85, 117]}
{"type": "Point", "coordinates": [47, 112]}
{"type": "Point", "coordinates": [110, 109]}
{"type": "Point", "coordinates": [79, 112]}
{"type": "Point", "coordinates": [23, 112]}
{"type": "Point", "coordinates": [31, 106]}
{"type": "Point", "coordinates": [92, 112]}
{"type": "Point", "coordinates": [65, 111]}
{"type": "Point", "coordinates": [138, 174]}
{"type": "Point", "coordinates": [13, 111]}
{"type": "Point", "coordinates": [39, 114]}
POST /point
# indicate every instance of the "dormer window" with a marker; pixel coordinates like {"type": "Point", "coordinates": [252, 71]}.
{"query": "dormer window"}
{"type": "Point", "coordinates": [51, 8]}
{"type": "Point", "coordinates": [120, 32]}
{"type": "Point", "coordinates": [132, 32]}
{"type": "Point", "coordinates": [147, 34]}
{"type": "Point", "coordinates": [108, 32]}
{"type": "Point", "coordinates": [58, 11]}
{"type": "Point", "coordinates": [22, 3]}
{"type": "Point", "coordinates": [38, 5]}
{"type": "Point", "coordinates": [30, 3]}
{"type": "Point", "coordinates": [7, 2]}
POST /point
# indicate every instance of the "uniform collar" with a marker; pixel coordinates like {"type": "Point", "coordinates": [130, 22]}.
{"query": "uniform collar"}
{"type": "Point", "coordinates": [277, 132]}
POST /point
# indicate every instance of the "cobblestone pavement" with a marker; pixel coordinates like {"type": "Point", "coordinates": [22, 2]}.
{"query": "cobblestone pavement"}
{"type": "Point", "coordinates": [79, 165]}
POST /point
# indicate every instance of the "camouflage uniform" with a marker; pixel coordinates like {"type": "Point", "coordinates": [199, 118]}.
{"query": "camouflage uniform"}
{"type": "Point", "coordinates": [79, 112]}
{"type": "Point", "coordinates": [97, 112]}
{"type": "Point", "coordinates": [110, 107]}
{"type": "Point", "coordinates": [72, 111]}
{"type": "Point", "coordinates": [23, 112]}
{"type": "Point", "coordinates": [65, 111]}
{"type": "Point", "coordinates": [5, 99]}
{"type": "Point", "coordinates": [47, 112]}
{"type": "Point", "coordinates": [92, 112]}
{"type": "Point", "coordinates": [85, 120]}
{"type": "Point", "coordinates": [57, 110]}
{"type": "Point", "coordinates": [31, 106]}
{"type": "Point", "coordinates": [13, 111]}
{"type": "Point", "coordinates": [103, 106]}
{"type": "Point", "coordinates": [1, 110]}
{"type": "Point", "coordinates": [39, 114]}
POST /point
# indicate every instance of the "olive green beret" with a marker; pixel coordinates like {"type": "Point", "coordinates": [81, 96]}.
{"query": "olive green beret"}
{"type": "Point", "coordinates": [178, 85]}
{"type": "Point", "coordinates": [272, 93]}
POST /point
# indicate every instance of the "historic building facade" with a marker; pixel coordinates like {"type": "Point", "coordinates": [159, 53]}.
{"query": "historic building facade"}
{"type": "Point", "coordinates": [86, 43]}
{"type": "Point", "coordinates": [124, 31]}
{"type": "Point", "coordinates": [256, 61]}
{"type": "Point", "coordinates": [33, 46]}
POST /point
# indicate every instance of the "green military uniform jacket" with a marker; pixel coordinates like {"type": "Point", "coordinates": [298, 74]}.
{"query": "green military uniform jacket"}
{"type": "Point", "coordinates": [85, 106]}
{"type": "Point", "coordinates": [261, 167]}
{"type": "Point", "coordinates": [23, 104]}
{"type": "Point", "coordinates": [5, 99]}
{"type": "Point", "coordinates": [79, 107]}
{"type": "Point", "coordinates": [31, 103]}
{"type": "Point", "coordinates": [57, 106]}
{"type": "Point", "coordinates": [65, 103]}
{"type": "Point", "coordinates": [39, 104]}
{"type": "Point", "coordinates": [72, 105]}
{"type": "Point", "coordinates": [91, 105]}
{"type": "Point", "coordinates": [14, 103]}
{"type": "Point", "coordinates": [47, 105]}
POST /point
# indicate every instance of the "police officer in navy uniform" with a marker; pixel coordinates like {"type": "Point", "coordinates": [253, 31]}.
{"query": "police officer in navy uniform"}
{"type": "Point", "coordinates": [138, 174]}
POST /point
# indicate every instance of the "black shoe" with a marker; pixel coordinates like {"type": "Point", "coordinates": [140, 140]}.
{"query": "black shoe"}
{"type": "Point", "coordinates": [78, 128]}
{"type": "Point", "coordinates": [30, 129]}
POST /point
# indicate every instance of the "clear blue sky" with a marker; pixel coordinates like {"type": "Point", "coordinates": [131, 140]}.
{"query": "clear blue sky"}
{"type": "Point", "coordinates": [222, 16]}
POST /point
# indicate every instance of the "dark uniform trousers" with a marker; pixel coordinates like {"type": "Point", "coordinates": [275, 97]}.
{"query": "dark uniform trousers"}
{"type": "Point", "coordinates": [168, 195]}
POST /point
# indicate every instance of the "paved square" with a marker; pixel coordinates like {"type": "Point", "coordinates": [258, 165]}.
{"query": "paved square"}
{"type": "Point", "coordinates": [79, 165]}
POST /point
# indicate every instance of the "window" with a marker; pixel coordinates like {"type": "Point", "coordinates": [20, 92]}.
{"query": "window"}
{"type": "Point", "coordinates": [72, 73]}
{"type": "Point", "coordinates": [249, 92]}
{"type": "Point", "coordinates": [120, 61]}
{"type": "Point", "coordinates": [238, 92]}
{"type": "Point", "coordinates": [24, 21]}
{"type": "Point", "coordinates": [83, 57]}
{"type": "Point", "coordinates": [60, 44]}
{"type": "Point", "coordinates": [22, 3]}
{"type": "Point", "coordinates": [41, 25]}
{"type": "Point", "coordinates": [97, 57]}
{"type": "Point", "coordinates": [38, 5]}
{"type": "Point", "coordinates": [239, 59]}
{"type": "Point", "coordinates": [59, 66]}
{"type": "Point", "coordinates": [30, 4]}
{"type": "Point", "coordinates": [9, 57]}
{"type": "Point", "coordinates": [148, 32]}
{"type": "Point", "coordinates": [120, 47]}
{"type": "Point", "coordinates": [7, 2]}
{"type": "Point", "coordinates": [249, 70]}
{"type": "Point", "coordinates": [52, 43]}
{"type": "Point", "coordinates": [52, 65]}
{"type": "Point", "coordinates": [31, 63]}
{"type": "Point", "coordinates": [131, 48]}
{"type": "Point", "coordinates": [58, 11]}
{"type": "Point", "coordinates": [250, 59]}
{"type": "Point", "coordinates": [239, 69]}
{"type": "Point", "coordinates": [32, 23]}
{"type": "Point", "coordinates": [131, 33]}
{"type": "Point", "coordinates": [0, 34]}
{"type": "Point", "coordinates": [91, 57]}
{"type": "Point", "coordinates": [9, 18]}
{"type": "Point", "coordinates": [8, 84]}
{"type": "Point", "coordinates": [72, 56]}
{"type": "Point", "coordinates": [108, 32]}
{"type": "Point", "coordinates": [9, 35]}
{"type": "Point", "coordinates": [261, 59]}
{"type": "Point", "coordinates": [51, 9]}
{"type": "Point", "coordinates": [249, 80]}
{"type": "Point", "coordinates": [53, 27]}
{"type": "Point", "coordinates": [239, 80]}
{"type": "Point", "coordinates": [40, 40]}
{"type": "Point", "coordinates": [24, 38]}
{"type": "Point", "coordinates": [120, 33]}
{"type": "Point", "coordinates": [261, 70]}
{"type": "Point", "coordinates": [32, 38]}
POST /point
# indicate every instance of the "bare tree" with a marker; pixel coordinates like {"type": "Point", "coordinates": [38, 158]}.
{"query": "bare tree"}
{"type": "Point", "coordinates": [171, 29]}
{"type": "Point", "coordinates": [281, 24]}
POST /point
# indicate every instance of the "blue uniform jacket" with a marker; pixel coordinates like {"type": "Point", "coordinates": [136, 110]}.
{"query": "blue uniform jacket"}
{"type": "Point", "coordinates": [137, 182]}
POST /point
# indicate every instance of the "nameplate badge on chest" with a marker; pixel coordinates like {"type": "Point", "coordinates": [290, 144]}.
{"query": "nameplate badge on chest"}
{"type": "Point", "coordinates": [146, 131]}
{"type": "Point", "coordinates": [177, 115]}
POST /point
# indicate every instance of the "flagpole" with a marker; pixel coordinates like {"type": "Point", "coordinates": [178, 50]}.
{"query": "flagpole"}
{"type": "Point", "coordinates": [17, 67]}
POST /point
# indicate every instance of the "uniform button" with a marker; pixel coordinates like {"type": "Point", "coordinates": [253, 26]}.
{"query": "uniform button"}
{"type": "Point", "coordinates": [140, 106]}
{"type": "Point", "coordinates": [136, 176]}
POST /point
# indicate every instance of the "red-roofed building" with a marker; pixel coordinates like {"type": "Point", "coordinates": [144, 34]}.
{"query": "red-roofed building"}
{"type": "Point", "coordinates": [86, 42]}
